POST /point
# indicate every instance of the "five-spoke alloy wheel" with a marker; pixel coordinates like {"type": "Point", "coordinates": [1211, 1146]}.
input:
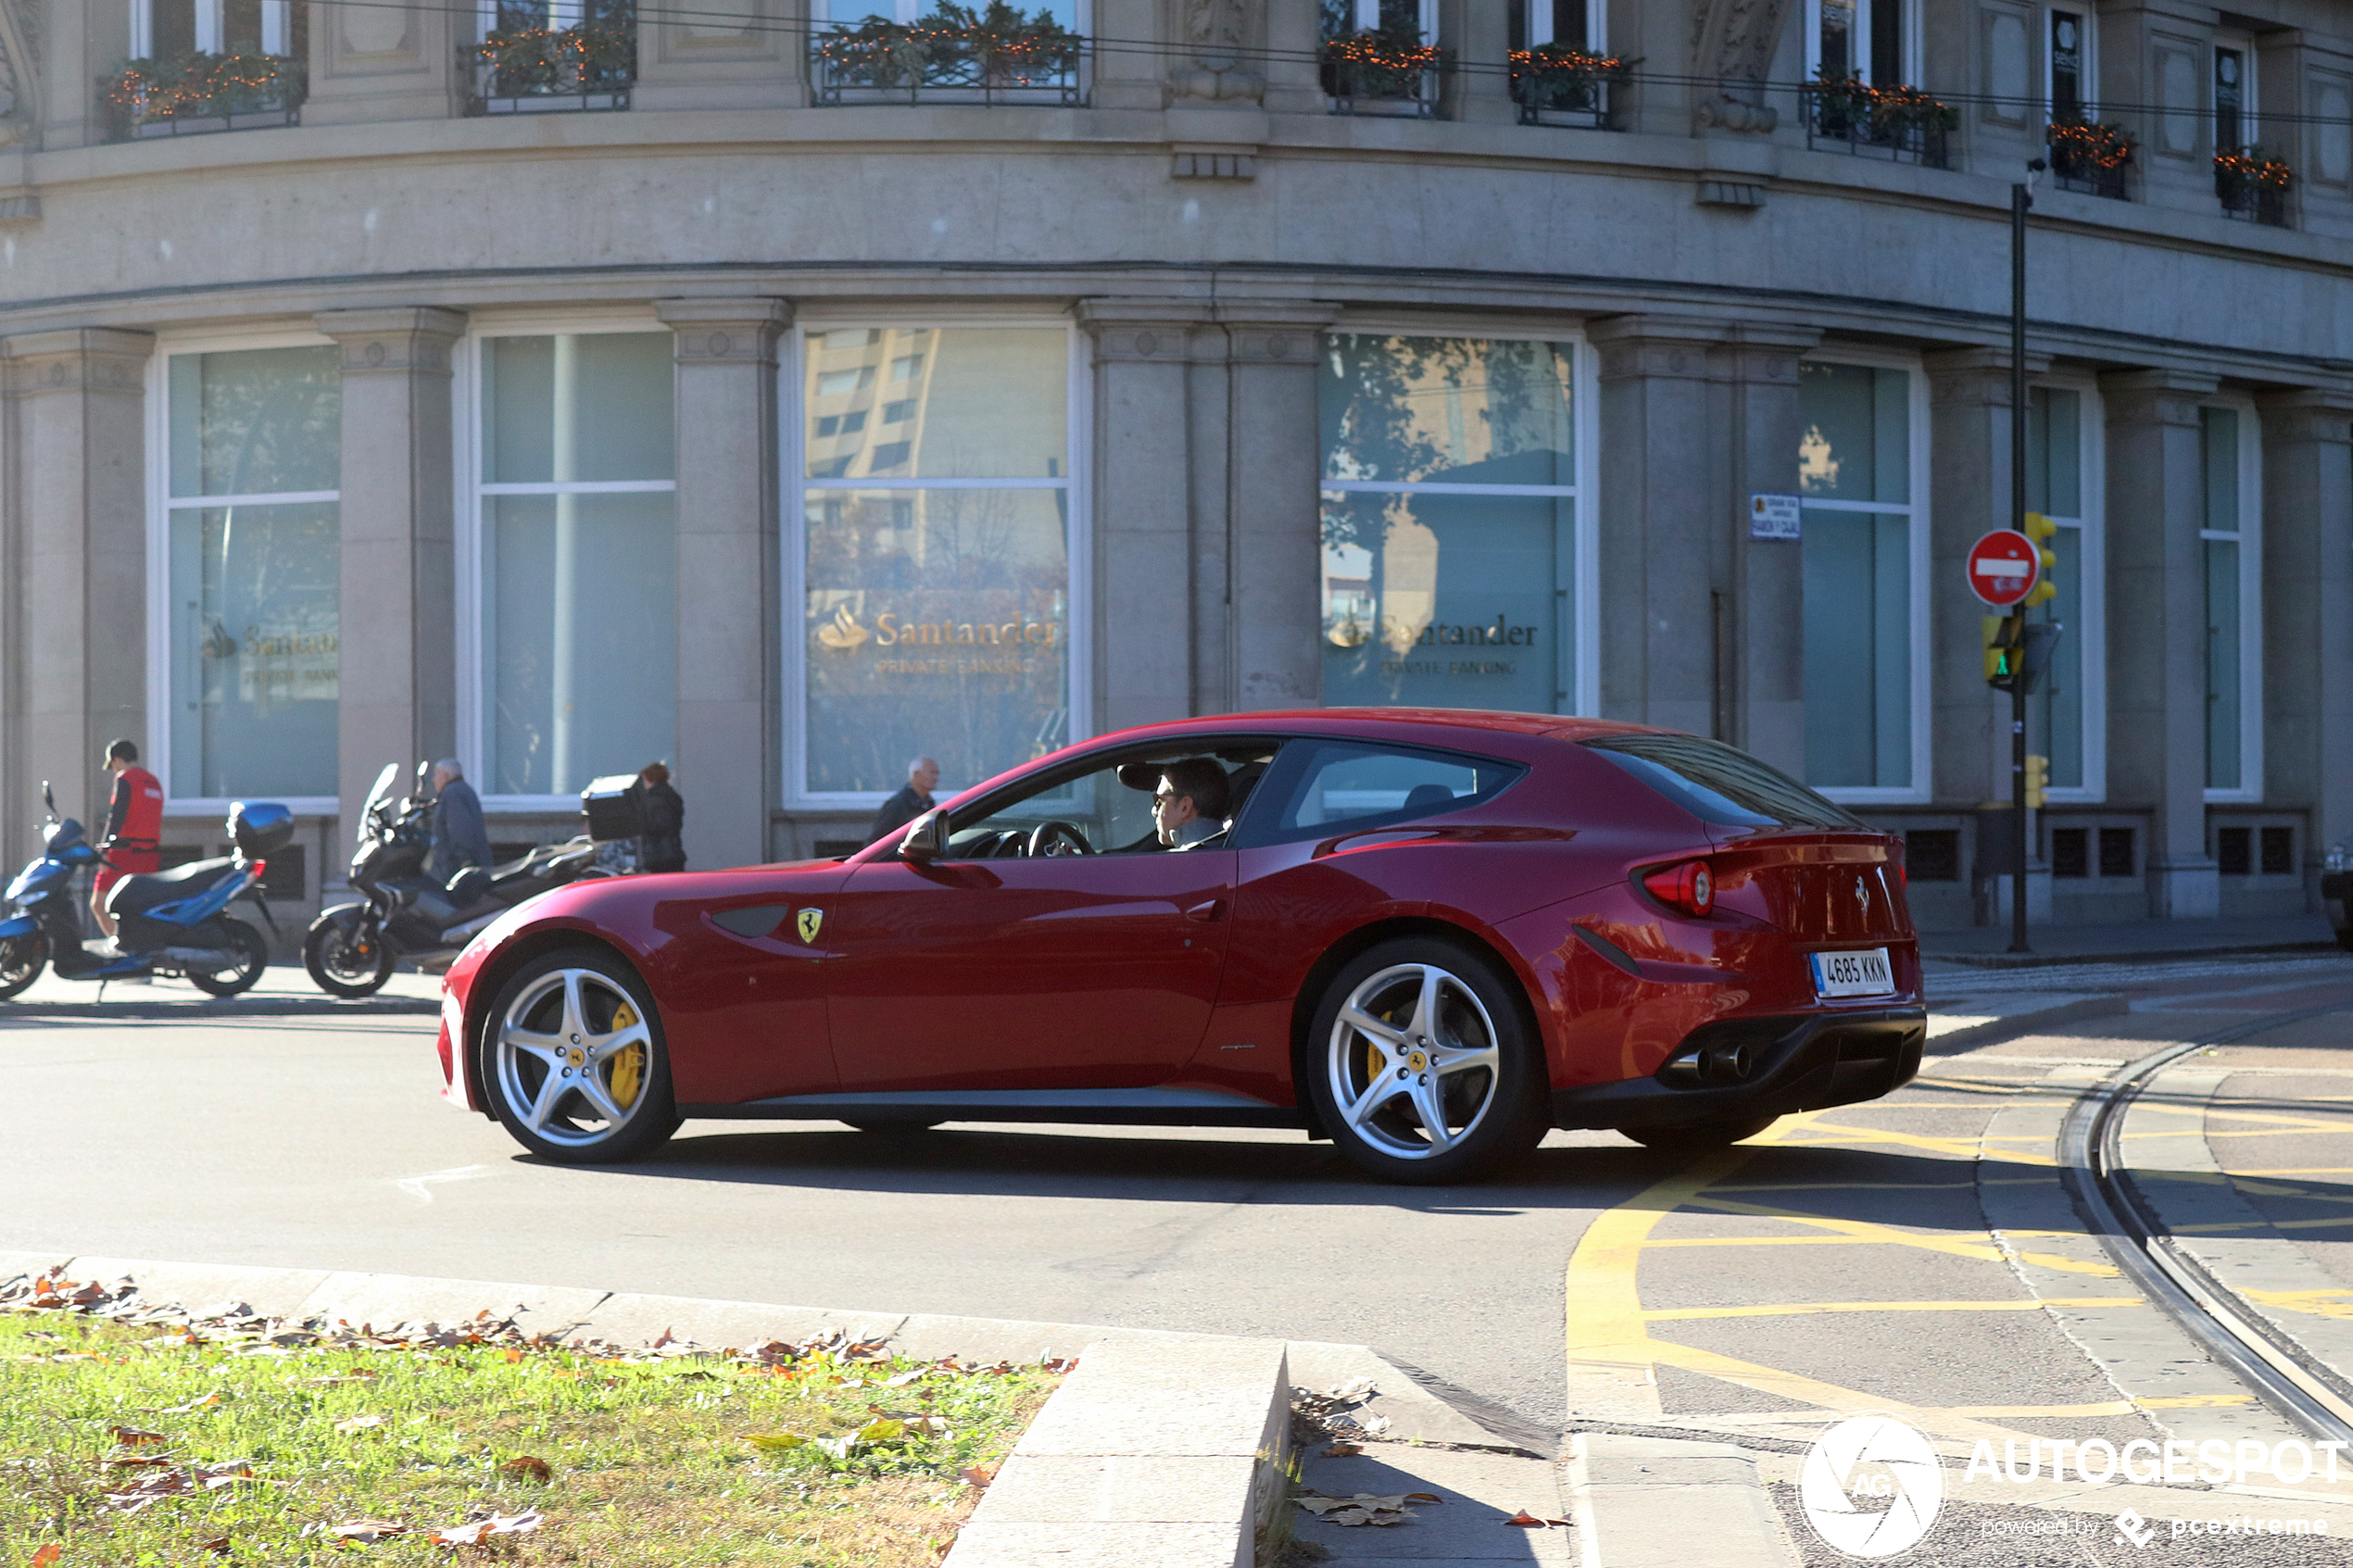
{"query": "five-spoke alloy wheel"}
{"type": "Point", "coordinates": [576, 1068]}
{"type": "Point", "coordinates": [1423, 1069]}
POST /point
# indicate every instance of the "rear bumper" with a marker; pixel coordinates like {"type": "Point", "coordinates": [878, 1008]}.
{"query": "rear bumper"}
{"type": "Point", "coordinates": [1807, 1061]}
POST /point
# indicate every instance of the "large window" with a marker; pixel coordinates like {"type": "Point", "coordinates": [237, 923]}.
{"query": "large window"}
{"type": "Point", "coordinates": [249, 551]}
{"type": "Point", "coordinates": [2233, 605]}
{"type": "Point", "coordinates": [576, 554]}
{"type": "Point", "coordinates": [2068, 59]}
{"type": "Point", "coordinates": [172, 28]}
{"type": "Point", "coordinates": [933, 555]}
{"type": "Point", "coordinates": [1452, 542]}
{"type": "Point", "coordinates": [1570, 24]}
{"type": "Point", "coordinates": [1870, 40]}
{"type": "Point", "coordinates": [1861, 467]}
{"type": "Point", "coordinates": [2066, 714]}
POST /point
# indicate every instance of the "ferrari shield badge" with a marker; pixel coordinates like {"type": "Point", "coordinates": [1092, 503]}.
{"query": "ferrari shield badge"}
{"type": "Point", "coordinates": [809, 920]}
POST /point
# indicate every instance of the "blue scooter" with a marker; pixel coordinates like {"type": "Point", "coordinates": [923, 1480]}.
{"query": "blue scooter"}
{"type": "Point", "coordinates": [165, 922]}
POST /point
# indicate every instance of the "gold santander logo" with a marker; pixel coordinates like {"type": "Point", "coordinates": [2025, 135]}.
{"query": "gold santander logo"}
{"type": "Point", "coordinates": [844, 633]}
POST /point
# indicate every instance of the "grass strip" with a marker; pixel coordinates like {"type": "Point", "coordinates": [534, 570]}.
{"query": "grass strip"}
{"type": "Point", "coordinates": [131, 1437]}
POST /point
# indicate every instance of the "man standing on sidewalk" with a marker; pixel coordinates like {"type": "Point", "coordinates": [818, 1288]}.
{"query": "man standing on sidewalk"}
{"type": "Point", "coordinates": [909, 803]}
{"type": "Point", "coordinates": [134, 827]}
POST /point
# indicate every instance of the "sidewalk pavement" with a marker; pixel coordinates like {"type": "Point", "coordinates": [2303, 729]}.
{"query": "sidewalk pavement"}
{"type": "Point", "coordinates": [1986, 947]}
{"type": "Point", "coordinates": [283, 991]}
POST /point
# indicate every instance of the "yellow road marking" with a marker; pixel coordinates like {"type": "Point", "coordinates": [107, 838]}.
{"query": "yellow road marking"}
{"type": "Point", "coordinates": [1801, 1308]}
{"type": "Point", "coordinates": [1866, 1230]}
{"type": "Point", "coordinates": [1958, 1148]}
{"type": "Point", "coordinates": [2299, 1171]}
{"type": "Point", "coordinates": [2102, 1407]}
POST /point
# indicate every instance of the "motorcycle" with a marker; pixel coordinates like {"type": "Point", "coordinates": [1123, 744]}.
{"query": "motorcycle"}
{"type": "Point", "coordinates": [165, 922]}
{"type": "Point", "coordinates": [352, 949]}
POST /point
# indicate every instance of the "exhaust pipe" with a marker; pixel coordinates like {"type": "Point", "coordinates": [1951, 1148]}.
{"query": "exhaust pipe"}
{"type": "Point", "coordinates": [205, 959]}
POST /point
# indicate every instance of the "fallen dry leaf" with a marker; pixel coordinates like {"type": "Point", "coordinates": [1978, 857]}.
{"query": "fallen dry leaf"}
{"type": "Point", "coordinates": [201, 1403]}
{"type": "Point", "coordinates": [974, 1475]}
{"type": "Point", "coordinates": [47, 1555]}
{"type": "Point", "coordinates": [480, 1530]}
{"type": "Point", "coordinates": [367, 1532]}
{"type": "Point", "coordinates": [1344, 1450]}
{"type": "Point", "coordinates": [358, 1422]}
{"type": "Point", "coordinates": [527, 1468]}
{"type": "Point", "coordinates": [219, 1544]}
{"type": "Point", "coordinates": [135, 1437]}
{"type": "Point", "coordinates": [1527, 1520]}
{"type": "Point", "coordinates": [1362, 1509]}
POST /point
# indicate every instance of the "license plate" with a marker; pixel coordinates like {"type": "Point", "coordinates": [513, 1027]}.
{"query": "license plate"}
{"type": "Point", "coordinates": [1864, 973]}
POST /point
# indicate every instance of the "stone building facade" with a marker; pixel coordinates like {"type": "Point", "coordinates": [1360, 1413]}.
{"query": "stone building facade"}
{"type": "Point", "coordinates": [726, 399]}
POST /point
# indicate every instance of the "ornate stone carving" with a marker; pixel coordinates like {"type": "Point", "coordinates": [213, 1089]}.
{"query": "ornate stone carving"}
{"type": "Point", "coordinates": [1214, 32]}
{"type": "Point", "coordinates": [1732, 44]}
{"type": "Point", "coordinates": [17, 72]}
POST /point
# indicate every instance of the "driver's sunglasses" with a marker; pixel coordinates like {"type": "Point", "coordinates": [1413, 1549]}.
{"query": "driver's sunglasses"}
{"type": "Point", "coordinates": [1163, 797]}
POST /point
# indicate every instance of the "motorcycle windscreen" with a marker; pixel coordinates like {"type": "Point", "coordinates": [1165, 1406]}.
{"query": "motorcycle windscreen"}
{"type": "Point", "coordinates": [384, 787]}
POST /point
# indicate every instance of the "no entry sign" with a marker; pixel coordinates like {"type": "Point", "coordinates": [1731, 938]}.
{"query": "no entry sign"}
{"type": "Point", "coordinates": [2003, 566]}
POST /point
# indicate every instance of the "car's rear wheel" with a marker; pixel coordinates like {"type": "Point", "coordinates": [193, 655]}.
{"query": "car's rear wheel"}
{"type": "Point", "coordinates": [1698, 1137]}
{"type": "Point", "coordinates": [1424, 1068]}
{"type": "Point", "coordinates": [578, 1072]}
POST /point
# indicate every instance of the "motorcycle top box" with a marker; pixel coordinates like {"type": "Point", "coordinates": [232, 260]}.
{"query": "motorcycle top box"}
{"type": "Point", "coordinates": [260, 827]}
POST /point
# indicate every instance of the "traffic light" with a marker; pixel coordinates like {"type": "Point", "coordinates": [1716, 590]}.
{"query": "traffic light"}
{"type": "Point", "coordinates": [2040, 528]}
{"type": "Point", "coordinates": [2005, 649]}
{"type": "Point", "coordinates": [2038, 779]}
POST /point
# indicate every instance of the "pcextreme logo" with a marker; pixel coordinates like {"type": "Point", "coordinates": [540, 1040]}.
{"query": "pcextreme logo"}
{"type": "Point", "coordinates": [1870, 1486]}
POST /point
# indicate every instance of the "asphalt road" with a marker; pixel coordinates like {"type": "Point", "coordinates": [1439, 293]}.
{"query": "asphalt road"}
{"type": "Point", "coordinates": [1851, 1251]}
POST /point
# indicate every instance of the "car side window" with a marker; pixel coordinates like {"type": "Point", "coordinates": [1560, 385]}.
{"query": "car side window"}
{"type": "Point", "coordinates": [1108, 809]}
{"type": "Point", "coordinates": [1340, 787]}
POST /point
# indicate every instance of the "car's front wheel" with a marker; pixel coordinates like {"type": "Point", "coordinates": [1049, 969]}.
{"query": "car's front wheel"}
{"type": "Point", "coordinates": [578, 1072]}
{"type": "Point", "coordinates": [1424, 1068]}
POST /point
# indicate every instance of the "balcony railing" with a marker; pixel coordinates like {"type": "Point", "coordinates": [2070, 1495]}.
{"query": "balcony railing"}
{"type": "Point", "coordinates": [1900, 124]}
{"type": "Point", "coordinates": [957, 55]}
{"type": "Point", "coordinates": [2090, 158]}
{"type": "Point", "coordinates": [2253, 188]}
{"type": "Point", "coordinates": [1565, 86]}
{"type": "Point", "coordinates": [552, 70]}
{"type": "Point", "coordinates": [195, 93]}
{"type": "Point", "coordinates": [1381, 72]}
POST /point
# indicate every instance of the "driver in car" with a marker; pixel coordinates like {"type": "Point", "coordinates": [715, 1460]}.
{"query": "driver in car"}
{"type": "Point", "coordinates": [1189, 808]}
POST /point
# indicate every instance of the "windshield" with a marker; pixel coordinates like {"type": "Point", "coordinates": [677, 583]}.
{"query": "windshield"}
{"type": "Point", "coordinates": [384, 785]}
{"type": "Point", "coordinates": [1722, 785]}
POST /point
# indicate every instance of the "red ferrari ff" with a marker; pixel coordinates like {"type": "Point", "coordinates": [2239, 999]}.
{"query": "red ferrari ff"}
{"type": "Point", "coordinates": [1429, 936]}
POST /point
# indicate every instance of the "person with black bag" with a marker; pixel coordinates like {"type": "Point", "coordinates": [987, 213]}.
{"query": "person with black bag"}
{"type": "Point", "coordinates": [664, 814]}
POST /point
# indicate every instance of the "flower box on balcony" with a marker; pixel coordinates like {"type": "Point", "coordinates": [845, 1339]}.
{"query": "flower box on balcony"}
{"type": "Point", "coordinates": [1901, 124]}
{"type": "Point", "coordinates": [539, 70]}
{"type": "Point", "coordinates": [999, 54]}
{"type": "Point", "coordinates": [2090, 158]}
{"type": "Point", "coordinates": [1555, 84]}
{"type": "Point", "coordinates": [2252, 187]}
{"type": "Point", "coordinates": [1382, 70]}
{"type": "Point", "coordinates": [193, 94]}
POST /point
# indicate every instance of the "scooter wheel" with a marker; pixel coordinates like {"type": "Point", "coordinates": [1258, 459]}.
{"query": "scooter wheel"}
{"type": "Point", "coordinates": [332, 954]}
{"type": "Point", "coordinates": [22, 960]}
{"type": "Point", "coordinates": [253, 956]}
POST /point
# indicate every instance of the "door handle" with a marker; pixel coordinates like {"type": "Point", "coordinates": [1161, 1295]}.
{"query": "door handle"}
{"type": "Point", "coordinates": [1206, 912]}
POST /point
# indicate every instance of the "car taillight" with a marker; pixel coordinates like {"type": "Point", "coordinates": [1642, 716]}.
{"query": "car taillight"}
{"type": "Point", "coordinates": [259, 867]}
{"type": "Point", "coordinates": [1689, 887]}
{"type": "Point", "coordinates": [1902, 878]}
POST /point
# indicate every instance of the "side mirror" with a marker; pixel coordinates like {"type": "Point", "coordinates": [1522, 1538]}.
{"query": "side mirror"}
{"type": "Point", "coordinates": [926, 839]}
{"type": "Point", "coordinates": [49, 800]}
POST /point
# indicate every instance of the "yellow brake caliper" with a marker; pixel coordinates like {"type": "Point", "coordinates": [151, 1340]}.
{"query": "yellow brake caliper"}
{"type": "Point", "coordinates": [627, 1076]}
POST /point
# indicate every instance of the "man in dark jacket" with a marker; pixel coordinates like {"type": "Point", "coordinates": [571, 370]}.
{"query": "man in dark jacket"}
{"type": "Point", "coordinates": [661, 846]}
{"type": "Point", "coordinates": [909, 803]}
{"type": "Point", "coordinates": [460, 838]}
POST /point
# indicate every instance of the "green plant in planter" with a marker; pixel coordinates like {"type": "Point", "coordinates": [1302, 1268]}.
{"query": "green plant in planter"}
{"type": "Point", "coordinates": [1908, 108]}
{"type": "Point", "coordinates": [1003, 44]}
{"type": "Point", "coordinates": [1558, 75]}
{"type": "Point", "coordinates": [573, 59]}
{"type": "Point", "coordinates": [2250, 170]}
{"type": "Point", "coordinates": [1378, 62]}
{"type": "Point", "coordinates": [200, 86]}
{"type": "Point", "coordinates": [2089, 145]}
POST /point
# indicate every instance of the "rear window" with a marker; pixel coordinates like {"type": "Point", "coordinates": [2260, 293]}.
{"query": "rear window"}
{"type": "Point", "coordinates": [1720, 784]}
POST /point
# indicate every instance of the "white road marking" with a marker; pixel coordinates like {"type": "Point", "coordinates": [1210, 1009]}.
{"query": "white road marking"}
{"type": "Point", "coordinates": [416, 1186]}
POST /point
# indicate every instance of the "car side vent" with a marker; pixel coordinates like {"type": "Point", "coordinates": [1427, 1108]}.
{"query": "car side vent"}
{"type": "Point", "coordinates": [752, 920]}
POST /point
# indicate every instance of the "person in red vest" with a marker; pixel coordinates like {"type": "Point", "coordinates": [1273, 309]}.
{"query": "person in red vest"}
{"type": "Point", "coordinates": [134, 827]}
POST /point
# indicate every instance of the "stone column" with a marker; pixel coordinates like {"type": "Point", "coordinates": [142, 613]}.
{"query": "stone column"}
{"type": "Point", "coordinates": [1767, 707]}
{"type": "Point", "coordinates": [1128, 71]}
{"type": "Point", "coordinates": [2156, 630]}
{"type": "Point", "coordinates": [728, 711]}
{"type": "Point", "coordinates": [723, 55]}
{"type": "Point", "coordinates": [1476, 35]}
{"type": "Point", "coordinates": [1661, 477]}
{"type": "Point", "coordinates": [1294, 38]}
{"type": "Point", "coordinates": [1148, 575]}
{"type": "Point", "coordinates": [2307, 583]}
{"type": "Point", "coordinates": [397, 667]}
{"type": "Point", "coordinates": [79, 662]}
{"type": "Point", "coordinates": [384, 62]}
{"type": "Point", "coordinates": [1275, 522]}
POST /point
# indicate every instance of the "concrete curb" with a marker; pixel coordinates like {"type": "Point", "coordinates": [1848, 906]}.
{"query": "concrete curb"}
{"type": "Point", "coordinates": [2162, 954]}
{"type": "Point", "coordinates": [213, 1010]}
{"type": "Point", "coordinates": [1180, 1436]}
{"type": "Point", "coordinates": [1665, 1502]}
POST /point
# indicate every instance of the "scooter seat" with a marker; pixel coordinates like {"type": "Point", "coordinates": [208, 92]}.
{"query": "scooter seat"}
{"type": "Point", "coordinates": [139, 893]}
